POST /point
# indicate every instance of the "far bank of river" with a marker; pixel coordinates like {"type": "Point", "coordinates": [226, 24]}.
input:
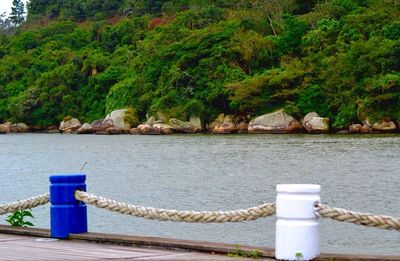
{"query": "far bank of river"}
{"type": "Point", "coordinates": [214, 172]}
{"type": "Point", "coordinates": [124, 121]}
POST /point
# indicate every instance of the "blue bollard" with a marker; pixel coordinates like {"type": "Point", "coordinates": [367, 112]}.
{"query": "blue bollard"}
{"type": "Point", "coordinates": [67, 214]}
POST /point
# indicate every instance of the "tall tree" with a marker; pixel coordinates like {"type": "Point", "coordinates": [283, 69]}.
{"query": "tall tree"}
{"type": "Point", "coordinates": [17, 12]}
{"type": "Point", "coordinates": [5, 24]}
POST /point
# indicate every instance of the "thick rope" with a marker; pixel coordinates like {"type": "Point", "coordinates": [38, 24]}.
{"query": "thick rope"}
{"type": "Point", "coordinates": [364, 219]}
{"type": "Point", "coordinates": [24, 204]}
{"type": "Point", "coordinates": [254, 213]}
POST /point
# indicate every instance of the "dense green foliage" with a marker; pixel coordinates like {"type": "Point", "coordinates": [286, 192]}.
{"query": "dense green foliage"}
{"type": "Point", "coordinates": [339, 58]}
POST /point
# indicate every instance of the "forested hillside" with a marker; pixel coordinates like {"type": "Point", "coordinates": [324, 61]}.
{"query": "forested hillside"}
{"type": "Point", "coordinates": [85, 58]}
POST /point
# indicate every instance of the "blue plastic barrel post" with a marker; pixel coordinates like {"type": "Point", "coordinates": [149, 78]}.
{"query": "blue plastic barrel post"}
{"type": "Point", "coordinates": [67, 214]}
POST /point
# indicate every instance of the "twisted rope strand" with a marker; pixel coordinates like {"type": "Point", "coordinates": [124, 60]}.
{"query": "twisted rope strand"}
{"type": "Point", "coordinates": [24, 204]}
{"type": "Point", "coordinates": [364, 219]}
{"type": "Point", "coordinates": [249, 214]}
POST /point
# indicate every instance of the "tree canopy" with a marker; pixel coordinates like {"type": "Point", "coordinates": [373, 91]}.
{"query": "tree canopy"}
{"type": "Point", "coordinates": [84, 58]}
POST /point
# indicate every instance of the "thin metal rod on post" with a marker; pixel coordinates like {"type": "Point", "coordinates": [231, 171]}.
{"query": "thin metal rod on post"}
{"type": "Point", "coordinates": [297, 225]}
{"type": "Point", "coordinates": [67, 214]}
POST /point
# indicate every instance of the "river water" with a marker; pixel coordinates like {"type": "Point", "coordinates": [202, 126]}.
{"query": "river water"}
{"type": "Point", "coordinates": [211, 172]}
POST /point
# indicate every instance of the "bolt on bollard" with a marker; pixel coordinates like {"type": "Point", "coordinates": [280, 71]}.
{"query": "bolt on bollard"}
{"type": "Point", "coordinates": [297, 225]}
{"type": "Point", "coordinates": [67, 215]}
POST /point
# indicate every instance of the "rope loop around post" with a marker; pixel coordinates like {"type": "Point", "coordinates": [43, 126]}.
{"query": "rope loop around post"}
{"type": "Point", "coordinates": [25, 204]}
{"type": "Point", "coordinates": [160, 214]}
{"type": "Point", "coordinates": [359, 218]}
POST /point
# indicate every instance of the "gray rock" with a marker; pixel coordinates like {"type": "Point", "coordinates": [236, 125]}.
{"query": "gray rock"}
{"type": "Point", "coordinates": [107, 123]}
{"type": "Point", "coordinates": [97, 125]}
{"type": "Point", "coordinates": [226, 127]}
{"type": "Point", "coordinates": [276, 122]}
{"type": "Point", "coordinates": [182, 126]}
{"type": "Point", "coordinates": [313, 123]}
{"type": "Point", "coordinates": [123, 119]}
{"type": "Point", "coordinates": [150, 121]}
{"type": "Point", "coordinates": [163, 128]}
{"type": "Point", "coordinates": [196, 122]}
{"type": "Point", "coordinates": [384, 126]}
{"type": "Point", "coordinates": [22, 127]}
{"type": "Point", "coordinates": [69, 125]}
{"type": "Point", "coordinates": [86, 128]}
{"type": "Point", "coordinates": [218, 121]}
{"type": "Point", "coordinates": [5, 127]}
{"type": "Point", "coordinates": [13, 128]}
{"type": "Point", "coordinates": [146, 129]}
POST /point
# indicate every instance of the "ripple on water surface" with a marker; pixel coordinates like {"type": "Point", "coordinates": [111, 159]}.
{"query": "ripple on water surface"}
{"type": "Point", "coordinates": [209, 172]}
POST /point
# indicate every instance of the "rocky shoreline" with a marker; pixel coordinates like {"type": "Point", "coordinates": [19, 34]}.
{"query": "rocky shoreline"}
{"type": "Point", "coordinates": [123, 122]}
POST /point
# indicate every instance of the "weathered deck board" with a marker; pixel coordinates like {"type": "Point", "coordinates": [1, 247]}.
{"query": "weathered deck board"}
{"type": "Point", "coordinates": [20, 244]}
{"type": "Point", "coordinates": [30, 248]}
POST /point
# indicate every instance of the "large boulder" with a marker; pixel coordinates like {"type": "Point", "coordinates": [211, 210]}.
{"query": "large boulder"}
{"type": "Point", "coordinates": [276, 122]}
{"type": "Point", "coordinates": [102, 125]}
{"type": "Point", "coordinates": [384, 126]}
{"type": "Point", "coordinates": [163, 128]}
{"type": "Point", "coordinates": [182, 126]}
{"type": "Point", "coordinates": [196, 122]}
{"type": "Point", "coordinates": [69, 125]}
{"type": "Point", "coordinates": [218, 121]}
{"type": "Point", "coordinates": [226, 127]}
{"type": "Point", "coordinates": [123, 119]}
{"type": "Point", "coordinates": [5, 127]}
{"type": "Point", "coordinates": [97, 125]}
{"type": "Point", "coordinates": [150, 121]}
{"type": "Point", "coordinates": [86, 128]}
{"type": "Point", "coordinates": [146, 129]}
{"type": "Point", "coordinates": [22, 127]}
{"type": "Point", "coordinates": [313, 123]}
{"type": "Point", "coordinates": [13, 128]}
{"type": "Point", "coordinates": [19, 127]}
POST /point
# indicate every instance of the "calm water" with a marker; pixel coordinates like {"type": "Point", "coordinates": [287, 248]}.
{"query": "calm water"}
{"type": "Point", "coordinates": [204, 172]}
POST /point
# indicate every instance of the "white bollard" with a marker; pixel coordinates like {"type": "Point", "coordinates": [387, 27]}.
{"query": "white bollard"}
{"type": "Point", "coordinates": [297, 226]}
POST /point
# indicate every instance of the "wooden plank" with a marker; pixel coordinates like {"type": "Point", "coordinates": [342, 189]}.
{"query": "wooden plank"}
{"type": "Point", "coordinates": [143, 242]}
{"type": "Point", "coordinates": [28, 248]}
{"type": "Point", "coordinates": [65, 249]}
{"type": "Point", "coordinates": [153, 245]}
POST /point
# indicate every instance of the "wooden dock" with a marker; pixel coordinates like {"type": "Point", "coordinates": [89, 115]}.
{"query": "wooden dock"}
{"type": "Point", "coordinates": [14, 247]}
{"type": "Point", "coordinates": [35, 244]}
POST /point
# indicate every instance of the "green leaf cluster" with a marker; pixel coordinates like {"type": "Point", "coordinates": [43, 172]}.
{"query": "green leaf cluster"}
{"type": "Point", "coordinates": [18, 218]}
